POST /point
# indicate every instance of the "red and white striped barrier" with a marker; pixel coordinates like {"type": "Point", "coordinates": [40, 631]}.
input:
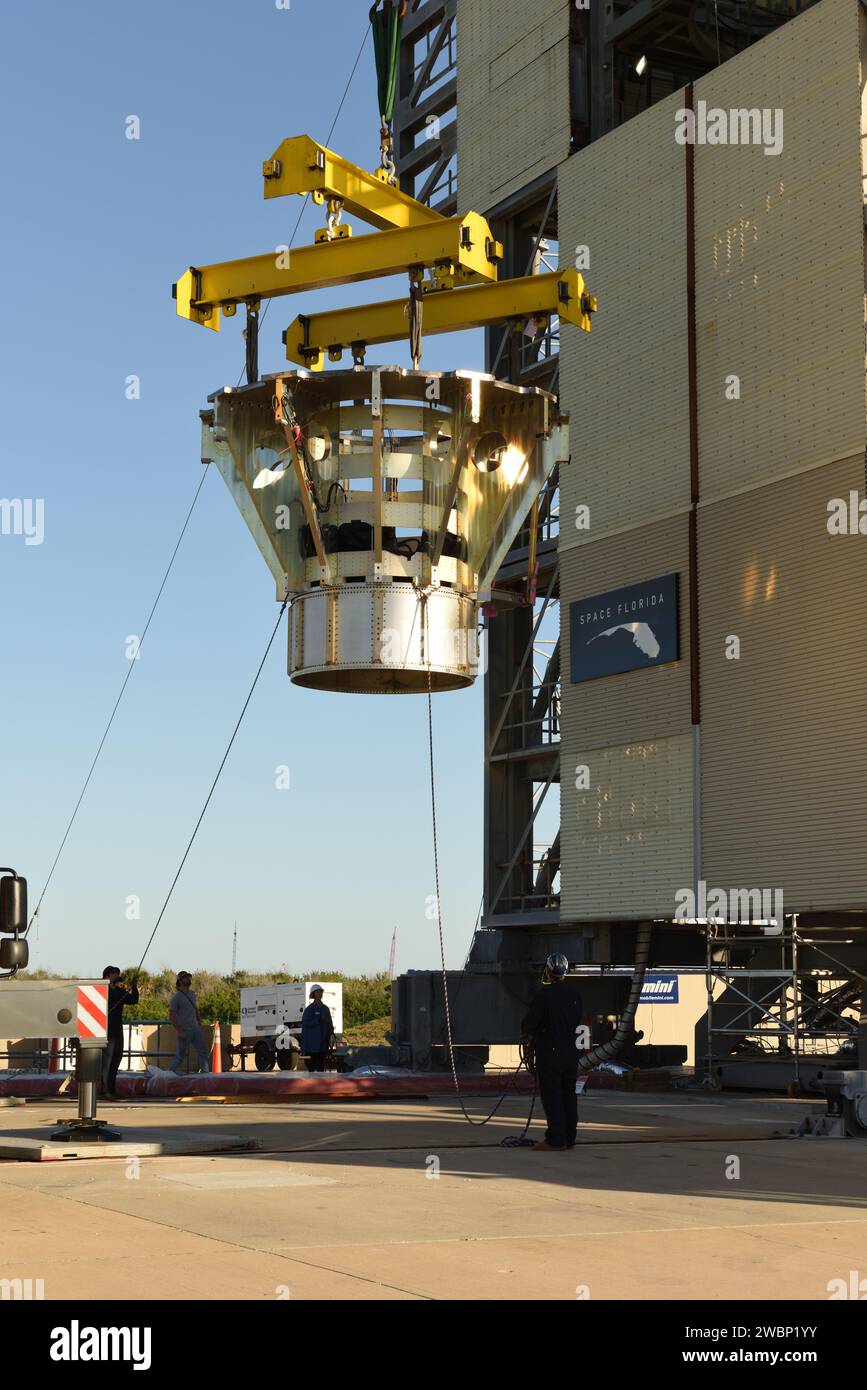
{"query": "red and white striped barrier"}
{"type": "Point", "coordinates": [91, 1011]}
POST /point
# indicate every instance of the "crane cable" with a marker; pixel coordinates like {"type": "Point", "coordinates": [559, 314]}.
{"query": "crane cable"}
{"type": "Point", "coordinates": [519, 1141]}
{"type": "Point", "coordinates": [251, 363]}
{"type": "Point", "coordinates": [386, 25]}
{"type": "Point", "coordinates": [123, 687]}
{"type": "Point", "coordinates": [223, 761]}
{"type": "Point", "coordinates": [260, 319]}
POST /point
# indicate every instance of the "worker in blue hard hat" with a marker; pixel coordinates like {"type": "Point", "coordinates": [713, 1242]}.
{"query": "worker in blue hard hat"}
{"type": "Point", "coordinates": [317, 1030]}
{"type": "Point", "coordinates": [551, 1024]}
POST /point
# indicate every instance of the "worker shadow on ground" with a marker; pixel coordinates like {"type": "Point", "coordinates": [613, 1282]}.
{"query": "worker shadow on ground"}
{"type": "Point", "coordinates": [615, 1151]}
{"type": "Point", "coordinates": [675, 1146]}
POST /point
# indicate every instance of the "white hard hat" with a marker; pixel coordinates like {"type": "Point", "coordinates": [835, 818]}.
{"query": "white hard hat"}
{"type": "Point", "coordinates": [316, 989]}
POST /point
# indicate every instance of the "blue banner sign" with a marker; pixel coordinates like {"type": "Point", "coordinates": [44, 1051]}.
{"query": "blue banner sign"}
{"type": "Point", "coordinates": [659, 989]}
{"type": "Point", "coordinates": [624, 630]}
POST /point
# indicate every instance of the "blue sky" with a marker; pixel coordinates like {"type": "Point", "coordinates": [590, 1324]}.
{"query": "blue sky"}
{"type": "Point", "coordinates": [96, 227]}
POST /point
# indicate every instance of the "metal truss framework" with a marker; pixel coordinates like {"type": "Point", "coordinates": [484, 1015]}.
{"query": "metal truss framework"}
{"type": "Point", "coordinates": [425, 117]}
{"type": "Point", "coordinates": [522, 752]}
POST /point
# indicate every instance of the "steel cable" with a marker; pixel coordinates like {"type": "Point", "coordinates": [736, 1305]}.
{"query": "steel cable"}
{"type": "Point", "coordinates": [510, 1141]}
{"type": "Point", "coordinates": [126, 680]}
{"type": "Point", "coordinates": [251, 361]}
{"type": "Point", "coordinates": [213, 786]}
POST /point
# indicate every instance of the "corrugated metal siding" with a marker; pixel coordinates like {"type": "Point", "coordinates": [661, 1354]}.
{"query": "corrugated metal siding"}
{"type": "Point", "coordinates": [626, 384]}
{"type": "Point", "coordinates": [784, 729]}
{"type": "Point", "coordinates": [628, 839]}
{"type": "Point", "coordinates": [780, 302]}
{"type": "Point", "coordinates": [780, 259]}
{"type": "Point", "coordinates": [513, 96]}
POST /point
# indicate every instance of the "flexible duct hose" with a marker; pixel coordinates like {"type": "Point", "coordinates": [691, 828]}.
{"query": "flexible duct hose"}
{"type": "Point", "coordinates": [605, 1051]}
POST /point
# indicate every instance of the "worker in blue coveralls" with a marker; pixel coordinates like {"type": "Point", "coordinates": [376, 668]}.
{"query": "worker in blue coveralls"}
{"type": "Point", "coordinates": [317, 1030]}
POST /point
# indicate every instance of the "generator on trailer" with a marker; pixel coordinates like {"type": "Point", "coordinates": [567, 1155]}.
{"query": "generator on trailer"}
{"type": "Point", "coordinates": [271, 1024]}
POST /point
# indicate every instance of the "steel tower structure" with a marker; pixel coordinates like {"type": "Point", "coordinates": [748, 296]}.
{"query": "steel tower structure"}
{"type": "Point", "coordinates": [625, 55]}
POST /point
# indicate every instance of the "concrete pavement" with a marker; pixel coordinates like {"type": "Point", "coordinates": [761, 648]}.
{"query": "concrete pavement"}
{"type": "Point", "coordinates": [406, 1201]}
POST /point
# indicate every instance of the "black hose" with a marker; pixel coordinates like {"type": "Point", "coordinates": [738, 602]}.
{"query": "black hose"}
{"type": "Point", "coordinates": [252, 339]}
{"type": "Point", "coordinates": [605, 1051]}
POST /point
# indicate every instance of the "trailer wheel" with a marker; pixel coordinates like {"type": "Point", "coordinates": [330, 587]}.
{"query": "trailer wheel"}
{"type": "Point", "coordinates": [264, 1055]}
{"type": "Point", "coordinates": [288, 1058]}
{"type": "Point", "coordinates": [854, 1116]}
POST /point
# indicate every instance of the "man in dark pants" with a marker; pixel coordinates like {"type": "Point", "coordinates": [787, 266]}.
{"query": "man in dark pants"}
{"type": "Point", "coordinates": [552, 1020]}
{"type": "Point", "coordinates": [117, 998]}
{"type": "Point", "coordinates": [317, 1030]}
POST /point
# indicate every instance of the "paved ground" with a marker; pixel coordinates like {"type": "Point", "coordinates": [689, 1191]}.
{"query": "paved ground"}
{"type": "Point", "coordinates": [339, 1204]}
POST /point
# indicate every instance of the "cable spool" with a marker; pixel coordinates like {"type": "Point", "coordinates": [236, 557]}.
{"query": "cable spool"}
{"type": "Point", "coordinates": [527, 1050]}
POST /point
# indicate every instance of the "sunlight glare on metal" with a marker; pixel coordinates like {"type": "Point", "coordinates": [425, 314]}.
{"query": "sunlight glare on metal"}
{"type": "Point", "coordinates": [514, 465]}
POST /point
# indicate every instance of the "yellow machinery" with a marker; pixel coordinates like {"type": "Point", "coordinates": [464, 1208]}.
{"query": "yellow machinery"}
{"type": "Point", "coordinates": [382, 499]}
{"type": "Point", "coordinates": [456, 251]}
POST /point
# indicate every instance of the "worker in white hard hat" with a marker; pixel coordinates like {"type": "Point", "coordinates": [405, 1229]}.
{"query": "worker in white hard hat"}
{"type": "Point", "coordinates": [317, 1030]}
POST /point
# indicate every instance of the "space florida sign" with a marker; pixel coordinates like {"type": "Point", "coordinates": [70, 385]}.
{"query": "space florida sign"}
{"type": "Point", "coordinates": [624, 630]}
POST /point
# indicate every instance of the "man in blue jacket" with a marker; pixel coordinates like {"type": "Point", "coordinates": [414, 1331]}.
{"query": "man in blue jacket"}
{"type": "Point", "coordinates": [317, 1030]}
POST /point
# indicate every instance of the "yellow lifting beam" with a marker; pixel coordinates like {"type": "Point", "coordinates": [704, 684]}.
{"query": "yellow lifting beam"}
{"type": "Point", "coordinates": [561, 292]}
{"type": "Point", "coordinates": [459, 248]}
{"type": "Point", "coordinates": [300, 165]}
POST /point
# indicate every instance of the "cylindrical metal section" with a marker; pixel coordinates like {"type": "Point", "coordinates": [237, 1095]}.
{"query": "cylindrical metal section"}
{"type": "Point", "coordinates": [87, 1100]}
{"type": "Point", "coordinates": [88, 1072]}
{"type": "Point", "coordinates": [383, 638]}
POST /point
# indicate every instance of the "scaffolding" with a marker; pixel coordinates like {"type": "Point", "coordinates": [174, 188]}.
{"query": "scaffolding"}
{"type": "Point", "coordinates": [776, 993]}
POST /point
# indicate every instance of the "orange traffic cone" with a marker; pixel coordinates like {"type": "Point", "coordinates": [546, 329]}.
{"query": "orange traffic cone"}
{"type": "Point", "coordinates": [217, 1051]}
{"type": "Point", "coordinates": [54, 1055]}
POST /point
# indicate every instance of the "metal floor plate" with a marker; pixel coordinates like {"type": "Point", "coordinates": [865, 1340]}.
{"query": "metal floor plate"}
{"type": "Point", "coordinates": [37, 1146]}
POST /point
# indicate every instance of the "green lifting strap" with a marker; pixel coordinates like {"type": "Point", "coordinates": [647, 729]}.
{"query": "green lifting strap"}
{"type": "Point", "coordinates": [386, 24]}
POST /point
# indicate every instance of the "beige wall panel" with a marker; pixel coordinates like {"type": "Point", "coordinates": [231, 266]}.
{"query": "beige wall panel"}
{"type": "Point", "coordinates": [633, 732]}
{"type": "Point", "coordinates": [627, 841]}
{"type": "Point", "coordinates": [780, 259]}
{"type": "Point", "coordinates": [513, 96]}
{"type": "Point", "coordinates": [862, 27]}
{"type": "Point", "coordinates": [626, 383]}
{"type": "Point", "coordinates": [674, 1024]}
{"type": "Point", "coordinates": [780, 302]}
{"type": "Point", "coordinates": [784, 728]}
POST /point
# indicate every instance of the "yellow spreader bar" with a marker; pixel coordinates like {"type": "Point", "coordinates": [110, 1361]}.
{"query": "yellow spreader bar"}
{"type": "Point", "coordinates": [461, 246]}
{"type": "Point", "coordinates": [300, 165]}
{"type": "Point", "coordinates": [309, 339]}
